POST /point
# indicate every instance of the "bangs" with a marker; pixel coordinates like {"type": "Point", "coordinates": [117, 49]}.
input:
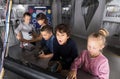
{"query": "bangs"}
{"type": "Point", "coordinates": [97, 39]}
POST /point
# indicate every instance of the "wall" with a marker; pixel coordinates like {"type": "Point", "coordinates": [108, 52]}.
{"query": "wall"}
{"type": "Point", "coordinates": [79, 28]}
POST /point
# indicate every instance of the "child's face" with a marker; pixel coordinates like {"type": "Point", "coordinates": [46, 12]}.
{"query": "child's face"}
{"type": "Point", "coordinates": [46, 35]}
{"type": "Point", "coordinates": [41, 22]}
{"type": "Point", "coordinates": [61, 37]}
{"type": "Point", "coordinates": [94, 47]}
{"type": "Point", "coordinates": [27, 19]}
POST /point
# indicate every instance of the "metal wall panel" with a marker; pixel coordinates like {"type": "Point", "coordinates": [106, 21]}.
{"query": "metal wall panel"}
{"type": "Point", "coordinates": [111, 21]}
{"type": "Point", "coordinates": [79, 27]}
{"type": "Point", "coordinates": [16, 1]}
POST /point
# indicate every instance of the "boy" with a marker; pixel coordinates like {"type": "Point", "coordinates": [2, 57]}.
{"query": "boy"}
{"type": "Point", "coordinates": [65, 50]}
{"type": "Point", "coordinates": [25, 32]}
{"type": "Point", "coordinates": [47, 42]}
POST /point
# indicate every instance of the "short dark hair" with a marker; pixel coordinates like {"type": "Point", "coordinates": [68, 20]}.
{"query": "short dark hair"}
{"type": "Point", "coordinates": [41, 16]}
{"type": "Point", "coordinates": [47, 28]}
{"type": "Point", "coordinates": [26, 13]}
{"type": "Point", "coordinates": [63, 28]}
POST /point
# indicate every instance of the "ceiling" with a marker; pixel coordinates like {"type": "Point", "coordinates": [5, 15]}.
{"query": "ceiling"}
{"type": "Point", "coordinates": [37, 1]}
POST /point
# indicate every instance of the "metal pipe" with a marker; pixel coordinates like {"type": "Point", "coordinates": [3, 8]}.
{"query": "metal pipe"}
{"type": "Point", "coordinates": [29, 72]}
{"type": "Point", "coordinates": [5, 47]}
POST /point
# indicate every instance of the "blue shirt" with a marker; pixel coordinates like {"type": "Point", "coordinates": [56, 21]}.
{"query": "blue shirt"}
{"type": "Point", "coordinates": [48, 44]}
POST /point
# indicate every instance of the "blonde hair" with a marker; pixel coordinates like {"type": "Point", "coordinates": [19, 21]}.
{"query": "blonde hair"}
{"type": "Point", "coordinates": [100, 36]}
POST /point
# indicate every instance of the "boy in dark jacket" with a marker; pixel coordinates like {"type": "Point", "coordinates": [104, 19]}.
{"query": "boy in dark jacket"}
{"type": "Point", "coordinates": [65, 49]}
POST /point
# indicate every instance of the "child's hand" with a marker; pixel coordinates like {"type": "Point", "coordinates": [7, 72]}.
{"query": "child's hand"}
{"type": "Point", "coordinates": [72, 75]}
{"type": "Point", "coordinates": [42, 55]}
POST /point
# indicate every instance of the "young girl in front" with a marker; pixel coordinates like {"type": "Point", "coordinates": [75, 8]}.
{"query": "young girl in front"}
{"type": "Point", "coordinates": [92, 60]}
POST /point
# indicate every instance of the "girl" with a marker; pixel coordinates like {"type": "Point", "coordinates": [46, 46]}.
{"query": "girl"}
{"type": "Point", "coordinates": [42, 19]}
{"type": "Point", "coordinates": [92, 60]}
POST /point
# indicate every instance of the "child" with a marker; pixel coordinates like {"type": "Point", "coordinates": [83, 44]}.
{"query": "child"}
{"type": "Point", "coordinates": [92, 60]}
{"type": "Point", "coordinates": [25, 32]}
{"type": "Point", "coordinates": [65, 50]}
{"type": "Point", "coordinates": [47, 42]}
{"type": "Point", "coordinates": [41, 19]}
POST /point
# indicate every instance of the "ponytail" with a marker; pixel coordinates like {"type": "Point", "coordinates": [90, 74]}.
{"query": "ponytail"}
{"type": "Point", "coordinates": [100, 35]}
{"type": "Point", "coordinates": [103, 32]}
